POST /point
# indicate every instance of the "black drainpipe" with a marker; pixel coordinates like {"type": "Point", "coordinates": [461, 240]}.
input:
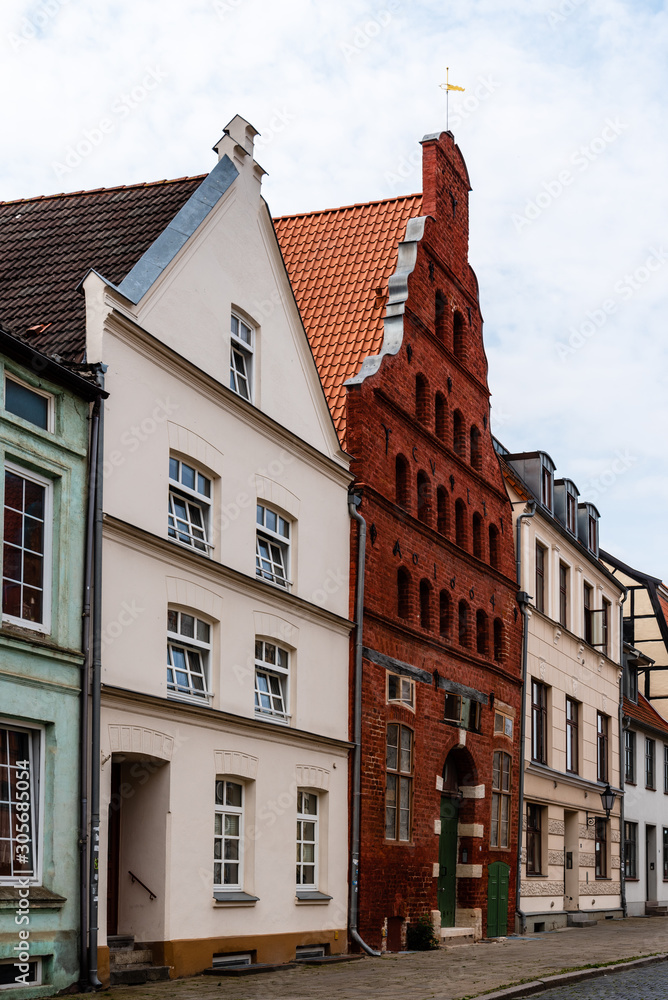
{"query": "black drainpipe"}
{"type": "Point", "coordinates": [85, 687]}
{"type": "Point", "coordinates": [94, 852]}
{"type": "Point", "coordinates": [353, 503]}
{"type": "Point", "coordinates": [523, 601]}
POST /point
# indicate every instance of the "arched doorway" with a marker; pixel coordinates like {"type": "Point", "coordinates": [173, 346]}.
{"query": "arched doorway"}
{"type": "Point", "coordinates": [458, 771]}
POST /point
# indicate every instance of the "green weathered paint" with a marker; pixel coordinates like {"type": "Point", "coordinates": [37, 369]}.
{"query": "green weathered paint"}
{"type": "Point", "coordinates": [40, 681]}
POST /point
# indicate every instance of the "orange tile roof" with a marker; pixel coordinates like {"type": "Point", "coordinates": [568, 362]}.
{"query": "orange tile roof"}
{"type": "Point", "coordinates": [339, 262]}
{"type": "Point", "coordinates": [645, 714]}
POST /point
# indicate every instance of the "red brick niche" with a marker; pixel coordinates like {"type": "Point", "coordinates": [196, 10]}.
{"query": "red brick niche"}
{"type": "Point", "coordinates": [442, 633]}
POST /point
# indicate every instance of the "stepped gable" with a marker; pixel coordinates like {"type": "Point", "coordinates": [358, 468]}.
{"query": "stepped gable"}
{"type": "Point", "coordinates": [339, 261]}
{"type": "Point", "coordinates": [49, 243]}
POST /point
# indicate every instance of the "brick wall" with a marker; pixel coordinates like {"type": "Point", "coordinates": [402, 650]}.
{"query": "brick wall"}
{"type": "Point", "coordinates": [418, 410]}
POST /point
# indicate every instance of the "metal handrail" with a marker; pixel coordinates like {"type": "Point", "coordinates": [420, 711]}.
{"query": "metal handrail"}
{"type": "Point", "coordinates": [134, 878]}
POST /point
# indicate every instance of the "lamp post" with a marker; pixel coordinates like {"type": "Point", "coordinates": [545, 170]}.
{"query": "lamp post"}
{"type": "Point", "coordinates": [608, 800]}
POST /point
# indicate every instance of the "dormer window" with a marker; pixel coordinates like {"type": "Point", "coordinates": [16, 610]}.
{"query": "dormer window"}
{"type": "Point", "coordinates": [571, 513]}
{"type": "Point", "coordinates": [588, 518]}
{"type": "Point", "coordinates": [546, 487]}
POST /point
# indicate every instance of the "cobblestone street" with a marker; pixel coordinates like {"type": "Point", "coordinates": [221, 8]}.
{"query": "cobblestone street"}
{"type": "Point", "coordinates": [650, 983]}
{"type": "Point", "coordinates": [455, 973]}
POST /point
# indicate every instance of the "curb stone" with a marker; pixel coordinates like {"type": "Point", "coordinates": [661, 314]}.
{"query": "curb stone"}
{"type": "Point", "coordinates": [566, 978]}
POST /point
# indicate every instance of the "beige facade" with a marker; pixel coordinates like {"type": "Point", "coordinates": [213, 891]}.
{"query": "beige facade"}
{"type": "Point", "coordinates": [210, 758]}
{"type": "Point", "coordinates": [570, 852]}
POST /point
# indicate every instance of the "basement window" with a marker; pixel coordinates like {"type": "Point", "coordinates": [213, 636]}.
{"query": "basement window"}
{"type": "Point", "coordinates": [17, 976]}
{"type": "Point", "coordinates": [310, 951]}
{"type": "Point", "coordinates": [223, 961]}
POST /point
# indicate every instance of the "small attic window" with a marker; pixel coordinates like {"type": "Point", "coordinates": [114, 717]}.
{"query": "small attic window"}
{"type": "Point", "coordinates": [571, 512]}
{"type": "Point", "coordinates": [588, 518]}
{"type": "Point", "coordinates": [592, 533]}
{"type": "Point", "coordinates": [546, 486]}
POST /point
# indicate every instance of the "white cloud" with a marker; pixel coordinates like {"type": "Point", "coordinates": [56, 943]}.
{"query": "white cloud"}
{"type": "Point", "coordinates": [350, 89]}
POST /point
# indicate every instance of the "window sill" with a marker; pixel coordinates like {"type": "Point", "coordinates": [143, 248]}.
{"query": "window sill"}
{"type": "Point", "coordinates": [272, 583]}
{"type": "Point", "coordinates": [311, 896]}
{"type": "Point", "coordinates": [39, 898]}
{"type": "Point", "coordinates": [232, 898]}
{"type": "Point", "coordinates": [277, 720]}
{"type": "Point", "coordinates": [190, 699]}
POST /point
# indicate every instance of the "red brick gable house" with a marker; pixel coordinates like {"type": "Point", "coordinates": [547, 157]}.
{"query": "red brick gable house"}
{"type": "Point", "coordinates": [391, 308]}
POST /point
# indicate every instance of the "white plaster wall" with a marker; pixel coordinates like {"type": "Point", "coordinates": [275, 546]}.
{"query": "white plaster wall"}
{"type": "Point", "coordinates": [185, 894]}
{"type": "Point", "coordinates": [646, 808]}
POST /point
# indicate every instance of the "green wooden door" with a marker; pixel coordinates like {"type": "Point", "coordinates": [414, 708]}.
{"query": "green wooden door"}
{"type": "Point", "coordinates": [498, 881]}
{"type": "Point", "coordinates": [447, 859]}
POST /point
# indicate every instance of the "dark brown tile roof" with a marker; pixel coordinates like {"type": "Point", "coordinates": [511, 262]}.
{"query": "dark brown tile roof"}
{"type": "Point", "coordinates": [48, 244]}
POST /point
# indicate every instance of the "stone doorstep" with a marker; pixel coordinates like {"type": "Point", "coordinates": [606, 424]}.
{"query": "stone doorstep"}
{"type": "Point", "coordinates": [328, 959]}
{"type": "Point", "coordinates": [122, 958]}
{"type": "Point", "coordinates": [457, 935]}
{"type": "Point", "coordinates": [249, 970]}
{"type": "Point", "coordinates": [137, 975]}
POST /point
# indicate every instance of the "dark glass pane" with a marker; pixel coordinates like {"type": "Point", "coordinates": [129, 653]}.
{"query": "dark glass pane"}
{"type": "Point", "coordinates": [12, 527]}
{"type": "Point", "coordinates": [188, 626]}
{"type": "Point", "coordinates": [11, 563]}
{"type": "Point", "coordinates": [32, 570]}
{"type": "Point", "coordinates": [4, 820]}
{"type": "Point", "coordinates": [172, 619]}
{"type": "Point", "coordinates": [34, 499]}
{"type": "Point", "coordinates": [27, 404]}
{"type": "Point", "coordinates": [13, 491]}
{"type": "Point", "coordinates": [11, 599]}
{"type": "Point", "coordinates": [32, 604]}
{"type": "Point", "coordinates": [233, 794]}
{"type": "Point", "coordinates": [174, 469]}
{"type": "Point", "coordinates": [33, 534]}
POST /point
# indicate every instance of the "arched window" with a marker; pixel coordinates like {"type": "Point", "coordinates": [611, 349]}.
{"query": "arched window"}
{"type": "Point", "coordinates": [439, 316]}
{"type": "Point", "coordinates": [401, 476]}
{"type": "Point", "coordinates": [423, 497]}
{"type": "Point", "coordinates": [477, 536]}
{"type": "Point", "coordinates": [441, 417]}
{"type": "Point", "coordinates": [460, 524]}
{"type": "Point", "coordinates": [498, 640]}
{"type": "Point", "coordinates": [494, 546]}
{"type": "Point", "coordinates": [464, 625]}
{"type": "Point", "coordinates": [425, 604]}
{"type": "Point", "coordinates": [476, 449]}
{"type": "Point", "coordinates": [445, 614]}
{"type": "Point", "coordinates": [403, 593]}
{"type": "Point", "coordinates": [422, 399]}
{"type": "Point", "coordinates": [458, 434]}
{"type": "Point", "coordinates": [458, 342]}
{"type": "Point", "coordinates": [442, 510]}
{"type": "Point", "coordinates": [481, 633]}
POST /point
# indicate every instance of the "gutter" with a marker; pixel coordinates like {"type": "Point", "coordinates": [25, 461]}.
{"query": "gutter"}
{"type": "Point", "coordinates": [353, 910]}
{"type": "Point", "coordinates": [523, 601]}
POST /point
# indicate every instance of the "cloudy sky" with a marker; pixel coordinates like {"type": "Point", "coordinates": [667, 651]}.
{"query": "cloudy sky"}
{"type": "Point", "coordinates": [562, 124]}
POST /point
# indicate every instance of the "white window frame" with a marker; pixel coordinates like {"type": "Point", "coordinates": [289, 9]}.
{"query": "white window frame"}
{"type": "Point", "coordinates": [192, 498]}
{"type": "Point", "coordinates": [222, 809]}
{"type": "Point", "coordinates": [33, 960]}
{"type": "Point", "coordinates": [302, 841]}
{"type": "Point", "coordinates": [275, 540]}
{"type": "Point", "coordinates": [281, 674]}
{"type": "Point", "coordinates": [242, 349]}
{"type": "Point", "coordinates": [45, 624]}
{"type": "Point", "coordinates": [194, 644]}
{"type": "Point", "coordinates": [10, 376]}
{"type": "Point", "coordinates": [400, 690]}
{"type": "Point", "coordinates": [36, 791]}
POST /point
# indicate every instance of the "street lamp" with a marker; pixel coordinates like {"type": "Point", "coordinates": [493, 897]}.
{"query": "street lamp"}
{"type": "Point", "coordinates": [608, 800]}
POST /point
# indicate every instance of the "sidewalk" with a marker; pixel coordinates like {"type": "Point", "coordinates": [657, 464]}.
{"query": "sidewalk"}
{"type": "Point", "coordinates": [448, 974]}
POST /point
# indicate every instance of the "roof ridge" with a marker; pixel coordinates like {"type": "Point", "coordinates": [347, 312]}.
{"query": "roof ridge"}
{"type": "Point", "coordinates": [341, 208]}
{"type": "Point", "coordinates": [105, 190]}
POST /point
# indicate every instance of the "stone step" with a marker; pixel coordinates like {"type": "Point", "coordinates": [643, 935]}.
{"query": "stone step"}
{"type": "Point", "coordinates": [137, 975]}
{"type": "Point", "coordinates": [249, 970]}
{"type": "Point", "coordinates": [457, 935]}
{"type": "Point", "coordinates": [581, 920]}
{"type": "Point", "coordinates": [123, 957]}
{"type": "Point", "coordinates": [120, 941]}
{"type": "Point", "coordinates": [654, 910]}
{"type": "Point", "coordinates": [328, 959]}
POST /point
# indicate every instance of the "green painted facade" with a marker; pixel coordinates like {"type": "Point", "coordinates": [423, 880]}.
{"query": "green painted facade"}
{"type": "Point", "coordinates": [40, 673]}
